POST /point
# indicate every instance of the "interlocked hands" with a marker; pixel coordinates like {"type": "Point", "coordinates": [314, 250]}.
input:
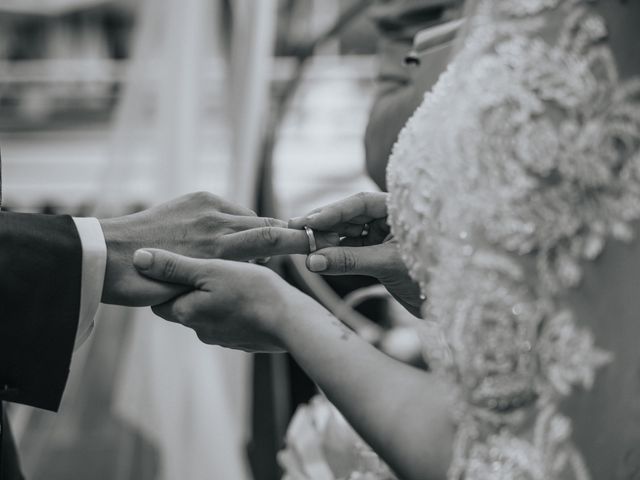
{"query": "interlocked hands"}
{"type": "Point", "coordinates": [200, 225]}
{"type": "Point", "coordinates": [243, 306]}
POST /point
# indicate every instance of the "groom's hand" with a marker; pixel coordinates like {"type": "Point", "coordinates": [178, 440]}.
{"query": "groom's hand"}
{"type": "Point", "coordinates": [199, 225]}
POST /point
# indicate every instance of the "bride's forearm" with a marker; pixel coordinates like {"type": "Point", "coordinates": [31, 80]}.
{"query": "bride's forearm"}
{"type": "Point", "coordinates": [402, 412]}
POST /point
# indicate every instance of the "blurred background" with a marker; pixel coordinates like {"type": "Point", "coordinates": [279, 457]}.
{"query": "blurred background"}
{"type": "Point", "coordinates": [88, 86]}
{"type": "Point", "coordinates": [108, 106]}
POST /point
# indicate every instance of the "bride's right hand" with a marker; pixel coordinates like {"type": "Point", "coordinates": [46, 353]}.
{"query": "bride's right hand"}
{"type": "Point", "coordinates": [366, 246]}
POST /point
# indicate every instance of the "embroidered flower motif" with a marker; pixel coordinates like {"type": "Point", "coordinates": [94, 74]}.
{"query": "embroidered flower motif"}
{"type": "Point", "coordinates": [505, 457]}
{"type": "Point", "coordinates": [493, 343]}
{"type": "Point", "coordinates": [521, 8]}
{"type": "Point", "coordinates": [568, 356]}
{"type": "Point", "coordinates": [588, 155]}
{"type": "Point", "coordinates": [536, 146]}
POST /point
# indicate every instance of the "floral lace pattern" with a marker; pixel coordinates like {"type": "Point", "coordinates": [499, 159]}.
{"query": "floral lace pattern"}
{"type": "Point", "coordinates": [518, 167]}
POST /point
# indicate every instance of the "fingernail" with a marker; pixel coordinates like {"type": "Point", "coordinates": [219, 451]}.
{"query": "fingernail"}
{"type": "Point", "coordinates": [142, 259]}
{"type": "Point", "coordinates": [317, 263]}
{"type": "Point", "coordinates": [313, 215]}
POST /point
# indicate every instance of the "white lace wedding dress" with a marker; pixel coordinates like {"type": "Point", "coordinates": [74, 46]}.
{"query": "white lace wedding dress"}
{"type": "Point", "coordinates": [516, 172]}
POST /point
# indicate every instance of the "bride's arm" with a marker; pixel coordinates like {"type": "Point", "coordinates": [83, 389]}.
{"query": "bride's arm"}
{"type": "Point", "coordinates": [402, 412]}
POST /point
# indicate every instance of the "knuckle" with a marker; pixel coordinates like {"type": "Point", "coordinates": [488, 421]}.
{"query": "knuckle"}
{"type": "Point", "coordinates": [169, 268]}
{"type": "Point", "coordinates": [179, 313]}
{"type": "Point", "coordinates": [269, 222]}
{"type": "Point", "coordinates": [210, 219]}
{"type": "Point", "coordinates": [347, 261]}
{"type": "Point", "coordinates": [270, 237]}
{"type": "Point", "coordinates": [201, 195]}
{"type": "Point", "coordinates": [204, 197]}
{"type": "Point", "coordinates": [362, 197]}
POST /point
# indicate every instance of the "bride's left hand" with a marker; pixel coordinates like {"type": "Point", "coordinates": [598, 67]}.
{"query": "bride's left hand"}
{"type": "Point", "coordinates": [366, 247]}
{"type": "Point", "coordinates": [232, 304]}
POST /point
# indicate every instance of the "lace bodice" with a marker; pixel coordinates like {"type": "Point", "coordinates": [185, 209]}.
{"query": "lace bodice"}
{"type": "Point", "coordinates": [516, 169]}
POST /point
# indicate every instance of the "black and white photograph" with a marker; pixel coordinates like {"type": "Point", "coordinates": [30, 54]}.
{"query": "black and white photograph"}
{"type": "Point", "coordinates": [319, 239]}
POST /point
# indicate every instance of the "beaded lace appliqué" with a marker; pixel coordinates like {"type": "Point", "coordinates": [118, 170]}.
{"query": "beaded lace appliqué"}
{"type": "Point", "coordinates": [519, 165]}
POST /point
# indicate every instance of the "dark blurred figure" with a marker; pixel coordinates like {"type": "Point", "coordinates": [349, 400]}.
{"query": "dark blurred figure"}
{"type": "Point", "coordinates": [400, 88]}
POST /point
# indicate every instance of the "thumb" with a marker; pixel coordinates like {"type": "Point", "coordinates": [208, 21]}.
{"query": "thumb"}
{"type": "Point", "coordinates": [372, 261]}
{"type": "Point", "coordinates": [167, 266]}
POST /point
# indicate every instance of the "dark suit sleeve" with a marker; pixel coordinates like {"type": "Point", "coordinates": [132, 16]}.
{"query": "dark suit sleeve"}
{"type": "Point", "coordinates": [40, 280]}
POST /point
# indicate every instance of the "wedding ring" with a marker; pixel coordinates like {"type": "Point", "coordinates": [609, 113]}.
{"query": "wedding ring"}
{"type": "Point", "coordinates": [313, 246]}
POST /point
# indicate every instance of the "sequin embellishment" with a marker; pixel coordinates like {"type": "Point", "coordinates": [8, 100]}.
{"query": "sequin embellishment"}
{"type": "Point", "coordinates": [516, 169]}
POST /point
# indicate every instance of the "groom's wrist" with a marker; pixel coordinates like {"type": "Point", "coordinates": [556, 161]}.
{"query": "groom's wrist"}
{"type": "Point", "coordinates": [115, 240]}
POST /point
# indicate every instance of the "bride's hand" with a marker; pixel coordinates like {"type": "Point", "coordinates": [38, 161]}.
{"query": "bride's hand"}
{"type": "Point", "coordinates": [232, 304]}
{"type": "Point", "coordinates": [366, 247]}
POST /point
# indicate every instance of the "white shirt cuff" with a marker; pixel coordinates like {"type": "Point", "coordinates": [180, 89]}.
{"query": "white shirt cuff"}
{"type": "Point", "coordinates": [94, 264]}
